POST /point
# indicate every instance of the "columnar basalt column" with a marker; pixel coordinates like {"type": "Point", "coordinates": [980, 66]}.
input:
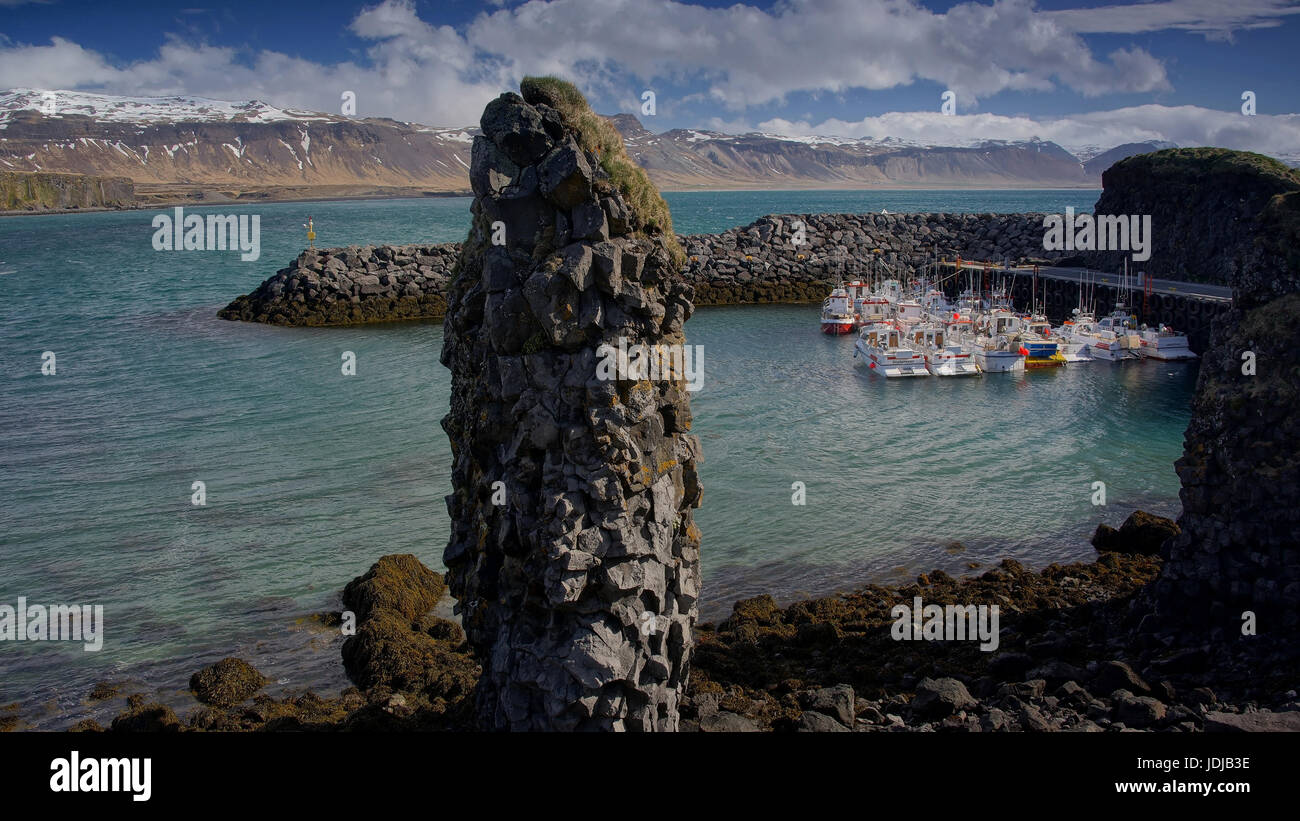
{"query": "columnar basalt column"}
{"type": "Point", "coordinates": [573, 555]}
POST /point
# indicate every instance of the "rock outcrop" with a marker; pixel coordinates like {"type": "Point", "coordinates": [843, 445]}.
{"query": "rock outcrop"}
{"type": "Point", "coordinates": [573, 553]}
{"type": "Point", "coordinates": [227, 683]}
{"type": "Point", "coordinates": [1239, 550]}
{"type": "Point", "coordinates": [1142, 533]}
{"type": "Point", "coordinates": [1215, 213]}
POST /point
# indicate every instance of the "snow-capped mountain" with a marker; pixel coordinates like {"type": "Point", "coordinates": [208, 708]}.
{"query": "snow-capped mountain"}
{"type": "Point", "coordinates": [110, 109]}
{"type": "Point", "coordinates": [237, 148]}
{"type": "Point", "coordinates": [202, 143]}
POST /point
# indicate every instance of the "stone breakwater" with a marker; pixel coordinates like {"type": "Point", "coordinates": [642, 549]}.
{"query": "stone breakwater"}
{"type": "Point", "coordinates": [352, 286]}
{"type": "Point", "coordinates": [756, 263]}
{"type": "Point", "coordinates": [797, 257]}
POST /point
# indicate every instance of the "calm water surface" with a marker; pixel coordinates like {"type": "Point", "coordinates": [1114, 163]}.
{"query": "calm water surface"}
{"type": "Point", "coordinates": [311, 475]}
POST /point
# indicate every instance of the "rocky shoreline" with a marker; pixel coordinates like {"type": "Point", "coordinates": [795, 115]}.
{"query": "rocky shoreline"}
{"type": "Point", "coordinates": [1067, 661]}
{"type": "Point", "coordinates": [767, 261]}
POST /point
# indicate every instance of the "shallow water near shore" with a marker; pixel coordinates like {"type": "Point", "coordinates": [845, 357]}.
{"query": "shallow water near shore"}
{"type": "Point", "coordinates": [310, 475]}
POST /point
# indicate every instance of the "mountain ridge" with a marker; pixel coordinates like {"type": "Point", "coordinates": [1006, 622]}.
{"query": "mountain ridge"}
{"type": "Point", "coordinates": [195, 143]}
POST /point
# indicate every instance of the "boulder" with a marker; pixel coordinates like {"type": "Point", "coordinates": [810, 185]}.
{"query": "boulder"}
{"type": "Point", "coordinates": [936, 698]}
{"type": "Point", "coordinates": [1142, 533]}
{"type": "Point", "coordinates": [227, 682]}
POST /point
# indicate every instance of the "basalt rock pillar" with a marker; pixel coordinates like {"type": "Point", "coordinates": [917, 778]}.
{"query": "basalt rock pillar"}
{"type": "Point", "coordinates": [573, 555]}
{"type": "Point", "coordinates": [1237, 559]}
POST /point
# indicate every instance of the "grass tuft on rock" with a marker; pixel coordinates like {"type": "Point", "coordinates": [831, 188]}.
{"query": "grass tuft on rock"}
{"type": "Point", "coordinates": [598, 136]}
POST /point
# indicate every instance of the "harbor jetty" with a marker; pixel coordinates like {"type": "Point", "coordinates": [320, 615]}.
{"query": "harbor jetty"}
{"type": "Point", "coordinates": [789, 258]}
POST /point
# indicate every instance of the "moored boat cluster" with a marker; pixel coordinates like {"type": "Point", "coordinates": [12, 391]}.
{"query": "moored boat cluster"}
{"type": "Point", "coordinates": [915, 329]}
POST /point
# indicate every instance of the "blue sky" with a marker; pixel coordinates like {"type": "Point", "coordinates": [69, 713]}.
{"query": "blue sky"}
{"type": "Point", "coordinates": [1077, 71]}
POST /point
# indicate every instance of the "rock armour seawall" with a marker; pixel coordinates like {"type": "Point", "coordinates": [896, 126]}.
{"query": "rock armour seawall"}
{"type": "Point", "coordinates": [752, 264]}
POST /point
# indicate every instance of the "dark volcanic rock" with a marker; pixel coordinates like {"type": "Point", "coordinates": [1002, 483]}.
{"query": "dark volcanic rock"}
{"type": "Point", "coordinates": [942, 697]}
{"type": "Point", "coordinates": [1116, 675]}
{"type": "Point", "coordinates": [1262, 721]}
{"type": "Point", "coordinates": [577, 586]}
{"type": "Point", "coordinates": [836, 702]}
{"type": "Point", "coordinates": [1212, 211]}
{"type": "Point", "coordinates": [1141, 532]}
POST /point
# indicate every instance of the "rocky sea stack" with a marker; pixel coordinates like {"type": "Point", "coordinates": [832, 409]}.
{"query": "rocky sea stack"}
{"type": "Point", "coordinates": [1238, 551]}
{"type": "Point", "coordinates": [573, 555]}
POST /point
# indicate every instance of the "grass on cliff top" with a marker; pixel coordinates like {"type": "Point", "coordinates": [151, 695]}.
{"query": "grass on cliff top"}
{"type": "Point", "coordinates": [599, 137]}
{"type": "Point", "coordinates": [1215, 161]}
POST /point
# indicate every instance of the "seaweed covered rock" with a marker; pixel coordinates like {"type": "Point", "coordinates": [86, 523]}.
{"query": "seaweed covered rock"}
{"type": "Point", "coordinates": [573, 554]}
{"type": "Point", "coordinates": [146, 718]}
{"type": "Point", "coordinates": [398, 582]}
{"type": "Point", "coordinates": [399, 647]}
{"type": "Point", "coordinates": [227, 682]}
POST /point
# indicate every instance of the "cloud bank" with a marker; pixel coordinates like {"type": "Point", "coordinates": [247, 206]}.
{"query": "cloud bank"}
{"type": "Point", "coordinates": [735, 58]}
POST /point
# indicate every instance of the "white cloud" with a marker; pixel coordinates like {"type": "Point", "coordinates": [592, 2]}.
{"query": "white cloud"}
{"type": "Point", "coordinates": [738, 56]}
{"type": "Point", "coordinates": [1277, 135]}
{"type": "Point", "coordinates": [1213, 18]}
{"type": "Point", "coordinates": [741, 55]}
{"type": "Point", "coordinates": [750, 56]}
{"type": "Point", "coordinates": [417, 72]}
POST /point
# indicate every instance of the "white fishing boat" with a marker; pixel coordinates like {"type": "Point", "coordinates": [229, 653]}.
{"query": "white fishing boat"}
{"type": "Point", "coordinates": [1105, 343]}
{"type": "Point", "coordinates": [996, 343]}
{"type": "Point", "coordinates": [837, 313]}
{"type": "Point", "coordinates": [859, 291]}
{"type": "Point", "coordinates": [1072, 349]}
{"type": "Point", "coordinates": [944, 354]}
{"type": "Point", "coordinates": [1164, 343]}
{"type": "Point", "coordinates": [1117, 336]}
{"type": "Point", "coordinates": [881, 349]}
{"type": "Point", "coordinates": [909, 313]}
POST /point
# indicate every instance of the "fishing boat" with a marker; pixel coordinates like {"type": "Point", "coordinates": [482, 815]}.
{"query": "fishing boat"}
{"type": "Point", "coordinates": [1072, 349]}
{"type": "Point", "coordinates": [909, 313]}
{"type": "Point", "coordinates": [1104, 342]}
{"type": "Point", "coordinates": [944, 354]}
{"type": "Point", "coordinates": [880, 348]}
{"type": "Point", "coordinates": [859, 291]}
{"type": "Point", "coordinates": [837, 313]}
{"type": "Point", "coordinates": [996, 343]}
{"type": "Point", "coordinates": [1164, 343]}
{"type": "Point", "coordinates": [1040, 343]}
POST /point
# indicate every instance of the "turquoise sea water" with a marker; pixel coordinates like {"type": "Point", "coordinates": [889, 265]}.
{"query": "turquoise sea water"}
{"type": "Point", "coordinates": [310, 475]}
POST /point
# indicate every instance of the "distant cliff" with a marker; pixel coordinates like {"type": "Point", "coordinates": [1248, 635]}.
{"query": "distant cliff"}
{"type": "Point", "coordinates": [43, 191]}
{"type": "Point", "coordinates": [1215, 213]}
